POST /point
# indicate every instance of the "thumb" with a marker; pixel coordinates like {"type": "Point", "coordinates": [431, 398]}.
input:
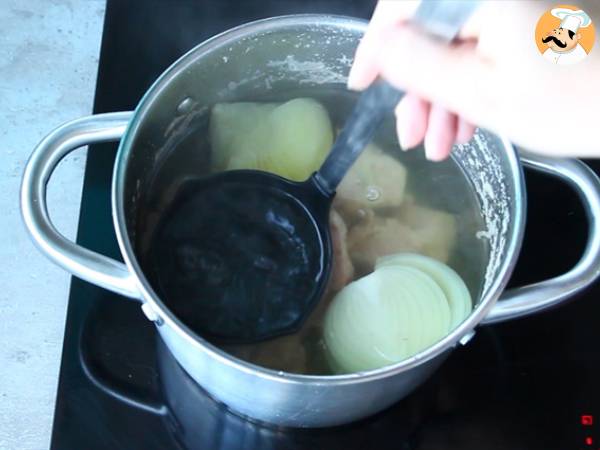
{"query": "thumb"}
{"type": "Point", "coordinates": [387, 14]}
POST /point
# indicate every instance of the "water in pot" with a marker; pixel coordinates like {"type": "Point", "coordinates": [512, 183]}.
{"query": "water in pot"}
{"type": "Point", "coordinates": [409, 205]}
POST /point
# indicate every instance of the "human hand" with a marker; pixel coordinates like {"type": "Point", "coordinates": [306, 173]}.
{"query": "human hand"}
{"type": "Point", "coordinates": [494, 76]}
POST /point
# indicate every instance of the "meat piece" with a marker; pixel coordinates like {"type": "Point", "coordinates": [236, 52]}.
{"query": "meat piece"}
{"type": "Point", "coordinates": [379, 236]}
{"type": "Point", "coordinates": [375, 181]}
{"type": "Point", "coordinates": [416, 228]}
{"type": "Point", "coordinates": [342, 270]}
{"type": "Point", "coordinates": [435, 231]}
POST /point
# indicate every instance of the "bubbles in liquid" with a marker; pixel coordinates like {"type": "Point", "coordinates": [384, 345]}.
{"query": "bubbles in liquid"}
{"type": "Point", "coordinates": [185, 106]}
{"type": "Point", "coordinates": [373, 193]}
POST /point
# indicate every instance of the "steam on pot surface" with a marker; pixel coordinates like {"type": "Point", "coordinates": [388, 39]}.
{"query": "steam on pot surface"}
{"type": "Point", "coordinates": [407, 260]}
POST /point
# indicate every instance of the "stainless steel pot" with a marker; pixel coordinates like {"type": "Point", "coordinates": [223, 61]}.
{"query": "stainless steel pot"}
{"type": "Point", "coordinates": [251, 60]}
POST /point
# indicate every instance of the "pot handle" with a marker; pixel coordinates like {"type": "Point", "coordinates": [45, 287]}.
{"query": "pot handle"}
{"type": "Point", "coordinates": [81, 262]}
{"type": "Point", "coordinates": [537, 297]}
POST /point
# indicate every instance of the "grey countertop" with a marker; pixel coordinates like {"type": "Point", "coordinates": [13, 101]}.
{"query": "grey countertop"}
{"type": "Point", "coordinates": [48, 61]}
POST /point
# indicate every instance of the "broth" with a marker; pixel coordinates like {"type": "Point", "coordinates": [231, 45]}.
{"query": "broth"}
{"type": "Point", "coordinates": [434, 192]}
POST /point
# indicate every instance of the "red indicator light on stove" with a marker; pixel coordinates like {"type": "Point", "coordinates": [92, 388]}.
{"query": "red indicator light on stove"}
{"type": "Point", "coordinates": [587, 420]}
{"type": "Point", "coordinates": [589, 441]}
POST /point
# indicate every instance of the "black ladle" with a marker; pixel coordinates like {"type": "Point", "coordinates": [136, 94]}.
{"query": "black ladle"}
{"type": "Point", "coordinates": [252, 254]}
{"type": "Point", "coordinates": [309, 205]}
{"type": "Point", "coordinates": [245, 255]}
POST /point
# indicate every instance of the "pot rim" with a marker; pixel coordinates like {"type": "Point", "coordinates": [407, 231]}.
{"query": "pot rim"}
{"type": "Point", "coordinates": [169, 319]}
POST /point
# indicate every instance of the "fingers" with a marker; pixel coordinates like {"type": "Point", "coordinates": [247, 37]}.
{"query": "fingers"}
{"type": "Point", "coordinates": [417, 120]}
{"type": "Point", "coordinates": [465, 131]}
{"type": "Point", "coordinates": [441, 133]}
{"type": "Point", "coordinates": [364, 70]}
{"type": "Point", "coordinates": [412, 115]}
{"type": "Point", "coordinates": [450, 75]}
{"type": "Point", "coordinates": [414, 62]}
{"type": "Point", "coordinates": [447, 75]}
{"type": "Point", "coordinates": [388, 13]}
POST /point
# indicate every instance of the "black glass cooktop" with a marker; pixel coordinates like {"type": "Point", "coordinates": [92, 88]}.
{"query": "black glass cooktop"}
{"type": "Point", "coordinates": [530, 384]}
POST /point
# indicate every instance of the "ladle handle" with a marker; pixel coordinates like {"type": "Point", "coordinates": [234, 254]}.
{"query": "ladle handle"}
{"type": "Point", "coordinates": [372, 106]}
{"type": "Point", "coordinates": [442, 20]}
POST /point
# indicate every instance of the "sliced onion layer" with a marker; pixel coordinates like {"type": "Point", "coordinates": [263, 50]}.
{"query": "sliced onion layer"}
{"type": "Point", "coordinates": [383, 318]}
{"type": "Point", "coordinates": [407, 304]}
{"type": "Point", "coordinates": [455, 289]}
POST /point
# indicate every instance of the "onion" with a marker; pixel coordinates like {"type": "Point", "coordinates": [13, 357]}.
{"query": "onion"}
{"type": "Point", "coordinates": [455, 289]}
{"type": "Point", "coordinates": [290, 139]}
{"type": "Point", "coordinates": [384, 317]}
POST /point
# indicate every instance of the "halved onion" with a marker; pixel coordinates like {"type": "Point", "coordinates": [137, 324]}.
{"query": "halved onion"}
{"type": "Point", "coordinates": [385, 317]}
{"type": "Point", "coordinates": [455, 289]}
{"type": "Point", "coordinates": [290, 139]}
{"type": "Point", "coordinates": [236, 128]}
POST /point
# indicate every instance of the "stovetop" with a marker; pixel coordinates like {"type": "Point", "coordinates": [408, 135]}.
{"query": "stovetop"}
{"type": "Point", "coordinates": [528, 384]}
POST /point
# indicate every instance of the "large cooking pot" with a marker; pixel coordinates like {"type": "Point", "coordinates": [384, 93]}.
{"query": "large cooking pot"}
{"type": "Point", "coordinates": [267, 56]}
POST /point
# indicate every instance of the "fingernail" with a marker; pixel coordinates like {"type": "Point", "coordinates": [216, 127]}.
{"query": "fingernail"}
{"type": "Point", "coordinates": [400, 127]}
{"type": "Point", "coordinates": [462, 139]}
{"type": "Point", "coordinates": [403, 136]}
{"type": "Point", "coordinates": [356, 78]}
{"type": "Point", "coordinates": [410, 121]}
{"type": "Point", "coordinates": [363, 70]}
{"type": "Point", "coordinates": [429, 151]}
{"type": "Point", "coordinates": [352, 82]}
{"type": "Point", "coordinates": [433, 152]}
{"type": "Point", "coordinates": [465, 131]}
{"type": "Point", "coordinates": [402, 142]}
